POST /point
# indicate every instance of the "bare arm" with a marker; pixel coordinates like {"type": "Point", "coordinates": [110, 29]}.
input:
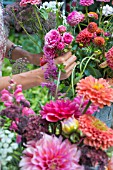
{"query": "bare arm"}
{"type": "Point", "coordinates": [20, 53]}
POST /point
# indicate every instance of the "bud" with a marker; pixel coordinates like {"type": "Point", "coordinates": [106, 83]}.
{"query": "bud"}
{"type": "Point", "coordinates": [97, 52]}
{"type": "Point", "coordinates": [70, 125]}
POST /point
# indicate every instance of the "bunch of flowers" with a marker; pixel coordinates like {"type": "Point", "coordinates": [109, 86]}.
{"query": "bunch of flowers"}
{"type": "Point", "coordinates": [65, 134]}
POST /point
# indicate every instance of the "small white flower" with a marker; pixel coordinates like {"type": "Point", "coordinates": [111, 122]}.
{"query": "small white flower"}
{"type": "Point", "coordinates": [10, 150]}
{"type": "Point", "coordinates": [7, 131]}
{"type": "Point", "coordinates": [11, 135]}
{"type": "Point", "coordinates": [9, 158]}
{"type": "Point", "coordinates": [14, 145]}
{"type": "Point", "coordinates": [5, 145]}
{"type": "Point", "coordinates": [107, 10]}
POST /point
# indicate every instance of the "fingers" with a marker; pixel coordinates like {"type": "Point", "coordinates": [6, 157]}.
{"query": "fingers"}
{"type": "Point", "coordinates": [70, 61]}
{"type": "Point", "coordinates": [63, 58]}
{"type": "Point", "coordinates": [70, 68]}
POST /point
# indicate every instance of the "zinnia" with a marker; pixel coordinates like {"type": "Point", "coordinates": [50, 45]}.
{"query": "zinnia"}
{"type": "Point", "coordinates": [97, 134]}
{"type": "Point", "coordinates": [93, 15]}
{"type": "Point", "coordinates": [109, 58]}
{"type": "Point", "coordinates": [99, 41]}
{"type": "Point", "coordinates": [86, 2]}
{"type": "Point", "coordinates": [98, 91]}
{"type": "Point", "coordinates": [75, 18]}
{"type": "Point", "coordinates": [84, 37]}
{"type": "Point", "coordinates": [23, 3]}
{"type": "Point", "coordinates": [50, 153]}
{"type": "Point", "coordinates": [59, 109]}
{"type": "Point", "coordinates": [92, 27]}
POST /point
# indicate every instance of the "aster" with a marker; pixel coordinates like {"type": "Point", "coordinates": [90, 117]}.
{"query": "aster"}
{"type": "Point", "coordinates": [75, 18]}
{"type": "Point", "coordinates": [98, 91]}
{"type": "Point", "coordinates": [59, 109]}
{"type": "Point", "coordinates": [84, 37]}
{"type": "Point", "coordinates": [50, 153]}
{"type": "Point", "coordinates": [86, 2]}
{"type": "Point", "coordinates": [96, 132]}
{"type": "Point", "coordinates": [109, 58]}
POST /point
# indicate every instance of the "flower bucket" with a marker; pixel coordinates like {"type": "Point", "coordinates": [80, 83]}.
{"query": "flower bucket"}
{"type": "Point", "coordinates": [105, 114]}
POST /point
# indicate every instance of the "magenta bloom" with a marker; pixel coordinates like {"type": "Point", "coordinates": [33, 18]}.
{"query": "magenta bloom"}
{"type": "Point", "coordinates": [50, 153]}
{"type": "Point", "coordinates": [59, 109]}
{"type": "Point", "coordinates": [19, 96]}
{"type": "Point", "coordinates": [75, 18]}
{"type": "Point", "coordinates": [27, 111]}
{"type": "Point", "coordinates": [67, 38]}
{"type": "Point", "coordinates": [109, 58]}
{"type": "Point", "coordinates": [81, 103]}
{"type": "Point", "coordinates": [62, 29]}
{"type": "Point", "coordinates": [52, 38]}
{"type": "Point", "coordinates": [6, 97]}
{"type": "Point", "coordinates": [103, 0]}
{"type": "Point", "coordinates": [48, 52]}
{"type": "Point", "coordinates": [61, 46]}
{"type": "Point", "coordinates": [86, 2]}
{"type": "Point", "coordinates": [23, 3]}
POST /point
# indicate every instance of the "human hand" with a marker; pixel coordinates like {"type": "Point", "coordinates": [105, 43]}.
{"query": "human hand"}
{"type": "Point", "coordinates": [35, 58]}
{"type": "Point", "coordinates": [69, 61]}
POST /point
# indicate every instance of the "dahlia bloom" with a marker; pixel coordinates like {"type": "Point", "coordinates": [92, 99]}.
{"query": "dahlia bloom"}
{"type": "Point", "coordinates": [52, 38]}
{"type": "Point", "coordinates": [99, 41]}
{"type": "Point", "coordinates": [93, 15]}
{"type": "Point", "coordinates": [59, 109]}
{"type": "Point", "coordinates": [67, 38]}
{"type": "Point", "coordinates": [98, 91]}
{"type": "Point", "coordinates": [50, 153]}
{"type": "Point", "coordinates": [23, 3]}
{"type": "Point", "coordinates": [61, 46]}
{"type": "Point", "coordinates": [97, 133]}
{"type": "Point", "coordinates": [92, 27]}
{"type": "Point", "coordinates": [75, 18]}
{"type": "Point", "coordinates": [86, 2]}
{"type": "Point", "coordinates": [84, 37]}
{"type": "Point", "coordinates": [69, 125]}
{"type": "Point", "coordinates": [109, 58]}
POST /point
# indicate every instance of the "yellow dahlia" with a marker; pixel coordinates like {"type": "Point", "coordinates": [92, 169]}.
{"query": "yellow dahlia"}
{"type": "Point", "coordinates": [98, 91]}
{"type": "Point", "coordinates": [97, 134]}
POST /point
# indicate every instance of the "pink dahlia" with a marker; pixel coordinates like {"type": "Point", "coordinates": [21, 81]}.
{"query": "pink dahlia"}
{"type": "Point", "coordinates": [23, 3]}
{"type": "Point", "coordinates": [98, 91]}
{"type": "Point", "coordinates": [48, 52]}
{"type": "Point", "coordinates": [84, 37]}
{"type": "Point", "coordinates": [50, 153]}
{"type": "Point", "coordinates": [109, 58]}
{"type": "Point", "coordinates": [86, 2]}
{"type": "Point", "coordinates": [75, 18]}
{"type": "Point", "coordinates": [52, 38]}
{"type": "Point", "coordinates": [97, 134]}
{"type": "Point", "coordinates": [59, 109]}
{"type": "Point", "coordinates": [67, 38]}
{"type": "Point", "coordinates": [62, 29]}
{"type": "Point", "coordinates": [61, 46]}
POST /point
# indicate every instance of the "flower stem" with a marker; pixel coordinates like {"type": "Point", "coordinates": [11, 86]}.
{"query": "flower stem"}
{"type": "Point", "coordinates": [36, 13]}
{"type": "Point", "coordinates": [87, 106]}
{"type": "Point", "coordinates": [87, 14]}
{"type": "Point", "coordinates": [58, 81]}
{"type": "Point", "coordinates": [101, 9]}
{"type": "Point", "coordinates": [79, 27]}
{"type": "Point", "coordinates": [72, 81]}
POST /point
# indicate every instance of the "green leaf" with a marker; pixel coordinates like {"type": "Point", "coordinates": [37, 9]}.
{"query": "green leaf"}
{"type": "Point", "coordinates": [92, 71]}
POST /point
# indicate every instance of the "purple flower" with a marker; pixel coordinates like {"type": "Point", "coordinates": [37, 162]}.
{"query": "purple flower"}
{"type": "Point", "coordinates": [52, 38]}
{"type": "Point", "coordinates": [49, 52]}
{"type": "Point", "coordinates": [75, 18]}
{"type": "Point", "coordinates": [61, 46]}
{"type": "Point", "coordinates": [103, 0]}
{"type": "Point", "coordinates": [86, 2]}
{"type": "Point", "coordinates": [62, 29]}
{"type": "Point", "coordinates": [27, 111]}
{"type": "Point", "coordinates": [67, 38]}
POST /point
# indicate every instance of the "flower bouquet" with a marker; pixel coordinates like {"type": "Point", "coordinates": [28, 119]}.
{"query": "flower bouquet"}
{"type": "Point", "coordinates": [64, 134]}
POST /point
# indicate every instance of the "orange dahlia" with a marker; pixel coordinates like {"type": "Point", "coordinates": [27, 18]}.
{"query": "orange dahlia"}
{"type": "Point", "coordinates": [92, 27]}
{"type": "Point", "coordinates": [97, 134]}
{"type": "Point", "coordinates": [98, 91]}
{"type": "Point", "coordinates": [99, 31]}
{"type": "Point", "coordinates": [93, 15]}
{"type": "Point", "coordinates": [99, 41]}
